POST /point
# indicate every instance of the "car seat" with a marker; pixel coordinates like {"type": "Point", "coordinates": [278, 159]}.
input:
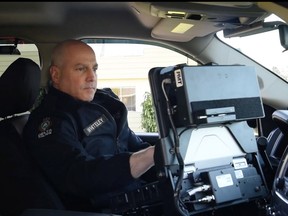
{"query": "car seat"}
{"type": "Point", "coordinates": [21, 184]}
{"type": "Point", "coordinates": [278, 138]}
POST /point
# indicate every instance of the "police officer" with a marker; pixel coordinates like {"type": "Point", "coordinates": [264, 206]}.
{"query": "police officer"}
{"type": "Point", "coordinates": [79, 134]}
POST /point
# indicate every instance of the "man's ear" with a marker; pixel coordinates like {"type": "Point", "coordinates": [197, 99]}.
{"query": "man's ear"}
{"type": "Point", "coordinates": [54, 73]}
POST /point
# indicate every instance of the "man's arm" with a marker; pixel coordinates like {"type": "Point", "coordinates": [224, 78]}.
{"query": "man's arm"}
{"type": "Point", "coordinates": [141, 161]}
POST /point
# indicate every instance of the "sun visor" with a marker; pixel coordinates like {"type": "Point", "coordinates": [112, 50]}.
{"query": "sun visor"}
{"type": "Point", "coordinates": [183, 30]}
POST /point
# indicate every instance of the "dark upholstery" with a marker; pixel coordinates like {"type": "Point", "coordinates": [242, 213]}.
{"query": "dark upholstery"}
{"type": "Point", "coordinates": [21, 184]}
{"type": "Point", "coordinates": [19, 87]}
{"type": "Point", "coordinates": [278, 138]}
{"type": "Point", "coordinates": [280, 117]}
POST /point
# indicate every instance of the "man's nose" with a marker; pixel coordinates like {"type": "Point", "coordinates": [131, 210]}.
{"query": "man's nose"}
{"type": "Point", "coordinates": [92, 74]}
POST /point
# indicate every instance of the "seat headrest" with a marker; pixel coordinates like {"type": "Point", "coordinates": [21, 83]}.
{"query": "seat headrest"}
{"type": "Point", "coordinates": [19, 87]}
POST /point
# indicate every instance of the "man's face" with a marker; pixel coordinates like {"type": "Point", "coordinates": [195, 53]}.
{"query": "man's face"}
{"type": "Point", "coordinates": [76, 75]}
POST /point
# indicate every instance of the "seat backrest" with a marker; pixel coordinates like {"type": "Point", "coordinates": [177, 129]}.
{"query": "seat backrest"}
{"type": "Point", "coordinates": [278, 138]}
{"type": "Point", "coordinates": [22, 185]}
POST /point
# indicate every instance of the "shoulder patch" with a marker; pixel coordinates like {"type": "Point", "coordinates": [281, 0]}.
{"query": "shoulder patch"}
{"type": "Point", "coordinates": [45, 128]}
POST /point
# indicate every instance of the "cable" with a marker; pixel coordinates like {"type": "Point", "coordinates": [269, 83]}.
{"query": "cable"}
{"type": "Point", "coordinates": [178, 203]}
{"type": "Point", "coordinates": [198, 189]}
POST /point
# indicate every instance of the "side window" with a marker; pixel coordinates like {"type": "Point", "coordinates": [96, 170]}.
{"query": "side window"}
{"type": "Point", "coordinates": [124, 68]}
{"type": "Point", "coordinates": [128, 96]}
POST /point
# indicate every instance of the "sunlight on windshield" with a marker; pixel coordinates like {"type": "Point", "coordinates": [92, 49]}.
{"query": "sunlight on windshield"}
{"type": "Point", "coordinates": [264, 48]}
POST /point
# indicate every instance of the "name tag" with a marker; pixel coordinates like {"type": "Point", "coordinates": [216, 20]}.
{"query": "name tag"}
{"type": "Point", "coordinates": [94, 125]}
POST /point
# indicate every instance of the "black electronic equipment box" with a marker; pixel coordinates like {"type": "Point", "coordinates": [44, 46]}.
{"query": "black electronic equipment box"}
{"type": "Point", "coordinates": [207, 94]}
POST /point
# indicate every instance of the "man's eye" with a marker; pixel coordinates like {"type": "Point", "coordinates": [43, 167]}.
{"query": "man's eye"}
{"type": "Point", "coordinates": [81, 69]}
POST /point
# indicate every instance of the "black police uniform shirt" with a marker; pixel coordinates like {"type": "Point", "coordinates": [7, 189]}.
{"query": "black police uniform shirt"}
{"type": "Point", "coordinates": [83, 147]}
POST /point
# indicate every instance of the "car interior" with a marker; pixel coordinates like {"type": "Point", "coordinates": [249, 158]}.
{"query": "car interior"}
{"type": "Point", "coordinates": [222, 123]}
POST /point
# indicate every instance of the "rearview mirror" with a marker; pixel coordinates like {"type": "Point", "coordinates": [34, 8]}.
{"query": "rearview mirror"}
{"type": "Point", "coordinates": [260, 27]}
{"type": "Point", "coordinates": [283, 34]}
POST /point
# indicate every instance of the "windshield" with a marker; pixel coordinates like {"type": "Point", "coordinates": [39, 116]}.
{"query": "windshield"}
{"type": "Point", "coordinates": [264, 48]}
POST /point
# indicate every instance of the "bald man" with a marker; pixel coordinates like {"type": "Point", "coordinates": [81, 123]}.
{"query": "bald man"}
{"type": "Point", "coordinates": [79, 135]}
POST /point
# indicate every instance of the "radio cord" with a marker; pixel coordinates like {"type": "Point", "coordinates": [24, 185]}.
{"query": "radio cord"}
{"type": "Point", "coordinates": [182, 210]}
